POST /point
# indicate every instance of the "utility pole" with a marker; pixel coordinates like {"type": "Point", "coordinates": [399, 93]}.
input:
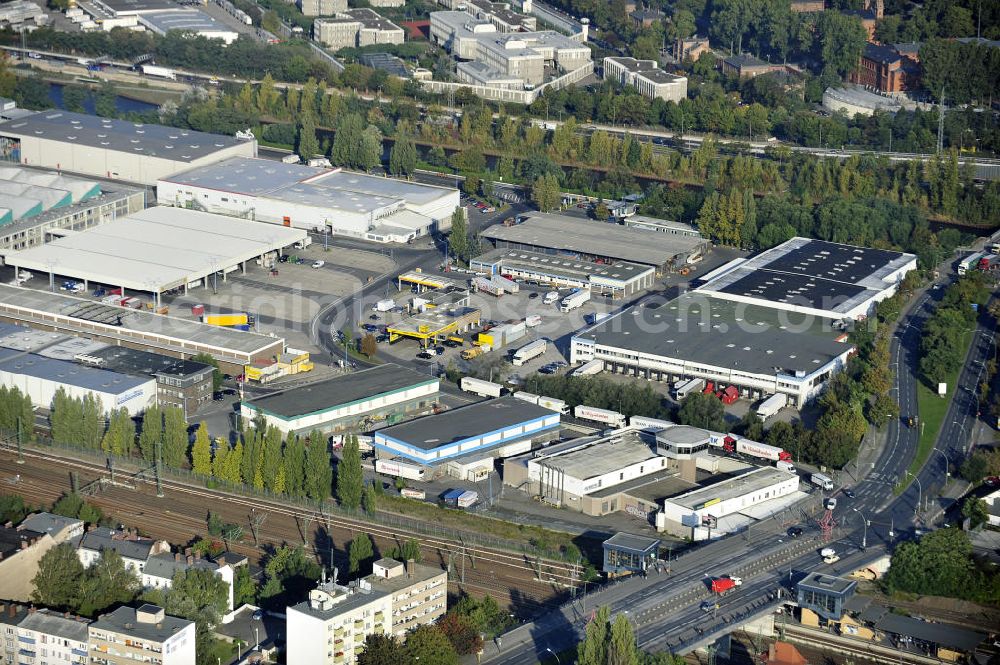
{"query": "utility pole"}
{"type": "Point", "coordinates": [20, 442]}
{"type": "Point", "coordinates": [940, 136]}
{"type": "Point", "coordinates": [156, 468]}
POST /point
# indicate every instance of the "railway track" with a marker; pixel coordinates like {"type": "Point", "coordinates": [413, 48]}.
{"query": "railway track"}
{"type": "Point", "coordinates": [532, 583]}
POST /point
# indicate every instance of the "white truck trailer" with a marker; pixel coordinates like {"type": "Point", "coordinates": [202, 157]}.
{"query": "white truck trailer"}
{"type": "Point", "coordinates": [575, 299]}
{"type": "Point", "coordinates": [384, 305]}
{"type": "Point", "coordinates": [821, 481]}
{"type": "Point", "coordinates": [588, 368]}
{"type": "Point", "coordinates": [684, 388]}
{"type": "Point", "coordinates": [612, 418]}
{"type": "Point", "coordinates": [159, 72]}
{"type": "Point", "coordinates": [650, 424]}
{"type": "Point", "coordinates": [529, 351]}
{"type": "Point", "coordinates": [480, 387]}
{"type": "Point", "coordinates": [399, 468]}
{"type": "Point", "coordinates": [772, 405]}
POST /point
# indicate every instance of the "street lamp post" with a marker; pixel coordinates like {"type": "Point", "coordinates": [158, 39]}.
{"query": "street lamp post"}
{"type": "Point", "coordinates": [920, 493]}
{"type": "Point", "coordinates": [947, 473]}
{"type": "Point", "coordinates": [256, 635]}
{"type": "Point", "coordinates": [864, 536]}
{"type": "Point", "coordinates": [554, 655]}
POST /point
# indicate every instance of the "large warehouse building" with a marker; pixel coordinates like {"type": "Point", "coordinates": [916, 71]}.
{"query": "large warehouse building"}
{"type": "Point", "coordinates": [474, 430]}
{"type": "Point", "coordinates": [156, 250]}
{"type": "Point", "coordinates": [38, 205]}
{"type": "Point", "coordinates": [304, 197]}
{"type": "Point", "coordinates": [383, 393]}
{"type": "Point", "coordinates": [696, 336]}
{"type": "Point", "coordinates": [115, 149]}
{"type": "Point", "coordinates": [615, 278]}
{"type": "Point", "coordinates": [40, 378]}
{"type": "Point", "coordinates": [813, 277]}
{"type": "Point", "coordinates": [573, 237]}
{"type": "Point", "coordinates": [135, 328]}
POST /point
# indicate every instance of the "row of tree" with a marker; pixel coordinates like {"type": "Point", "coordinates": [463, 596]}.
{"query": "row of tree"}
{"type": "Point", "coordinates": [942, 350]}
{"type": "Point", "coordinates": [17, 414]}
{"type": "Point", "coordinates": [941, 563]}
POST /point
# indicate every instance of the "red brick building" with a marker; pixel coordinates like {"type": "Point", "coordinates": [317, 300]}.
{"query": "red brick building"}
{"type": "Point", "coordinates": [882, 68]}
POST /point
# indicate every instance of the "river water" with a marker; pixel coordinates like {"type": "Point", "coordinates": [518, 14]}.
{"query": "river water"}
{"type": "Point", "coordinates": [123, 104]}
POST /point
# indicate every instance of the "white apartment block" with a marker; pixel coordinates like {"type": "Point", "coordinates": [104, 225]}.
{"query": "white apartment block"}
{"type": "Point", "coordinates": [647, 77]}
{"type": "Point", "coordinates": [144, 635]}
{"type": "Point", "coordinates": [321, 7]}
{"type": "Point", "coordinates": [356, 28]}
{"type": "Point", "coordinates": [160, 570]}
{"type": "Point", "coordinates": [46, 637]}
{"type": "Point", "coordinates": [135, 551]}
{"type": "Point", "coordinates": [330, 628]}
{"type": "Point", "coordinates": [419, 593]}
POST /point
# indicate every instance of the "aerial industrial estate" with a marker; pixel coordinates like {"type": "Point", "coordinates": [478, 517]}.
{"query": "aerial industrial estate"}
{"type": "Point", "coordinates": [530, 332]}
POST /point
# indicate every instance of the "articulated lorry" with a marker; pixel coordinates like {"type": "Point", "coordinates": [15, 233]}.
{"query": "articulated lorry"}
{"type": "Point", "coordinates": [574, 300]}
{"type": "Point", "coordinates": [400, 469]}
{"type": "Point", "coordinates": [612, 418]}
{"type": "Point", "coordinates": [529, 351]}
{"type": "Point", "coordinates": [159, 72]}
{"type": "Point", "coordinates": [480, 387]}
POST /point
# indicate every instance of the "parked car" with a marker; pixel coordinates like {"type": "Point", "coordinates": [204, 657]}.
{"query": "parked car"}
{"type": "Point", "coordinates": [424, 355]}
{"type": "Point", "coordinates": [848, 492]}
{"type": "Point", "coordinates": [439, 350]}
{"type": "Point", "coordinates": [532, 295]}
{"type": "Point", "coordinates": [794, 531]}
{"type": "Point", "coordinates": [373, 317]}
{"type": "Point", "coordinates": [318, 264]}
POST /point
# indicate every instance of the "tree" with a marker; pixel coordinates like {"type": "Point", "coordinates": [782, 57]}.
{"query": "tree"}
{"type": "Point", "coordinates": [288, 576]}
{"type": "Point", "coordinates": [209, 359]}
{"type": "Point", "coordinates": [12, 508]}
{"type": "Point", "coordinates": [622, 649]}
{"type": "Point", "coordinates": [151, 436]}
{"type": "Point", "coordinates": [92, 420]}
{"type": "Point", "coordinates": [308, 143]}
{"type": "Point", "coordinates": [976, 511]}
{"type": "Point", "coordinates": [458, 239]}
{"type": "Point", "coordinates": [59, 578]}
{"type": "Point", "coordinates": [120, 436]}
{"type": "Point", "coordinates": [350, 478]}
{"type": "Point", "coordinates": [198, 594]}
{"type": "Point", "coordinates": [347, 141]}
{"type": "Point", "coordinates": [108, 582]}
{"type": "Point", "coordinates": [427, 644]}
{"type": "Point", "coordinates": [361, 551]}
{"type": "Point", "coordinates": [295, 463]}
{"type": "Point", "coordinates": [201, 452]}
{"type": "Point", "coordinates": [244, 587]}
{"type": "Point", "coordinates": [382, 649]}
{"type": "Point", "coordinates": [272, 469]}
{"type": "Point", "coordinates": [369, 499]}
{"type": "Point", "coordinates": [175, 437]}
{"type": "Point", "coordinates": [403, 157]}
{"type": "Point", "coordinates": [593, 650]}
{"type": "Point", "coordinates": [545, 192]}
{"type": "Point", "coordinates": [461, 633]}
{"type": "Point", "coordinates": [371, 148]}
{"type": "Point", "coordinates": [940, 564]}
{"type": "Point", "coordinates": [319, 472]}
{"type": "Point", "coordinates": [702, 410]}
{"type": "Point", "coordinates": [485, 614]}
{"type": "Point", "coordinates": [410, 549]}
{"type": "Point", "coordinates": [369, 347]}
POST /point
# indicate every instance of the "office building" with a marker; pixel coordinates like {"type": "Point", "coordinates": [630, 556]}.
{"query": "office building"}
{"type": "Point", "coordinates": [192, 21]}
{"type": "Point", "coordinates": [646, 77]}
{"type": "Point", "coordinates": [321, 7]}
{"type": "Point", "coordinates": [356, 28]}
{"type": "Point", "coordinates": [884, 69]}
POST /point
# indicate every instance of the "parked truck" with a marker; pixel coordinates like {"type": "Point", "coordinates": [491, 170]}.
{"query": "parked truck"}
{"type": "Point", "coordinates": [400, 469]}
{"type": "Point", "coordinates": [159, 72]}
{"type": "Point", "coordinates": [529, 351]}
{"type": "Point", "coordinates": [612, 418]}
{"type": "Point", "coordinates": [821, 481]}
{"type": "Point", "coordinates": [475, 351]}
{"type": "Point", "coordinates": [553, 403]}
{"type": "Point", "coordinates": [589, 368]}
{"type": "Point", "coordinates": [575, 299]}
{"type": "Point", "coordinates": [732, 445]}
{"type": "Point", "coordinates": [772, 405]}
{"type": "Point", "coordinates": [484, 285]}
{"type": "Point", "coordinates": [384, 305]}
{"type": "Point", "coordinates": [684, 388]}
{"type": "Point", "coordinates": [480, 387]}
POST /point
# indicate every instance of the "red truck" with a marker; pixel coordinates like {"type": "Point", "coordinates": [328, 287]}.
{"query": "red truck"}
{"type": "Point", "coordinates": [709, 388]}
{"type": "Point", "coordinates": [725, 583]}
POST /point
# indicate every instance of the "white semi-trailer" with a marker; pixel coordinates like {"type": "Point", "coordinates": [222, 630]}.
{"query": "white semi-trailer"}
{"type": "Point", "coordinates": [480, 387]}
{"type": "Point", "coordinates": [529, 351]}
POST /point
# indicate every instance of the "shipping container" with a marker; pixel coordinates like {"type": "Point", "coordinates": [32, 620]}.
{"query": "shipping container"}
{"type": "Point", "coordinates": [604, 416]}
{"type": "Point", "coordinates": [226, 319]}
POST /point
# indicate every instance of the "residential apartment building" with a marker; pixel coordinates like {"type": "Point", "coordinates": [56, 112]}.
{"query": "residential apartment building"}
{"type": "Point", "coordinates": [321, 7]}
{"type": "Point", "coordinates": [691, 48]}
{"type": "Point", "coordinates": [160, 570]}
{"type": "Point", "coordinates": [807, 6]}
{"type": "Point", "coordinates": [46, 637]}
{"type": "Point", "coordinates": [330, 628]}
{"type": "Point", "coordinates": [356, 28]}
{"type": "Point", "coordinates": [135, 551]}
{"type": "Point", "coordinates": [884, 69]}
{"type": "Point", "coordinates": [11, 614]}
{"type": "Point", "coordinates": [147, 634]}
{"type": "Point", "coordinates": [419, 593]}
{"type": "Point", "coordinates": [20, 551]}
{"type": "Point", "coordinates": [647, 77]}
{"type": "Point", "coordinates": [644, 18]}
{"type": "Point", "coordinates": [386, 3]}
{"type": "Point", "coordinates": [60, 528]}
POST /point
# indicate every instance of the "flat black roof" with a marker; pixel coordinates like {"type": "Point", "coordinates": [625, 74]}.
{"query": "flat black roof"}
{"type": "Point", "coordinates": [698, 328]}
{"type": "Point", "coordinates": [470, 421]}
{"type": "Point", "coordinates": [833, 261]}
{"type": "Point", "coordinates": [133, 361]}
{"type": "Point", "coordinates": [945, 635]}
{"type": "Point", "coordinates": [340, 390]}
{"type": "Point", "coordinates": [791, 288]}
{"type": "Point", "coordinates": [828, 583]}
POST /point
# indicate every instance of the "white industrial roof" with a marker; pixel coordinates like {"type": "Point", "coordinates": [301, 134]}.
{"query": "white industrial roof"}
{"type": "Point", "coordinates": [156, 249]}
